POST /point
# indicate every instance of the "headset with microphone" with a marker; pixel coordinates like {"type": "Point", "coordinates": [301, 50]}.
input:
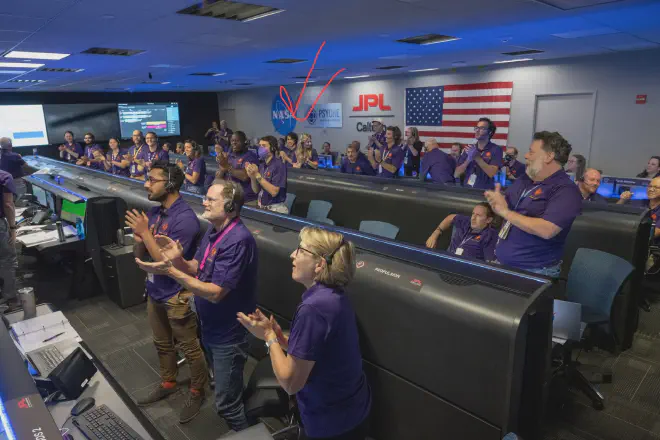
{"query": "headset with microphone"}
{"type": "Point", "coordinates": [230, 205]}
{"type": "Point", "coordinates": [328, 258]}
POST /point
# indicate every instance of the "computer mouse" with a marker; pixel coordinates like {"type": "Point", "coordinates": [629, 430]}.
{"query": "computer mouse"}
{"type": "Point", "coordinates": [82, 406]}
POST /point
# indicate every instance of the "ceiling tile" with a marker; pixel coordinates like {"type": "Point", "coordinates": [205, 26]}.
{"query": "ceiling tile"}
{"type": "Point", "coordinates": [13, 36]}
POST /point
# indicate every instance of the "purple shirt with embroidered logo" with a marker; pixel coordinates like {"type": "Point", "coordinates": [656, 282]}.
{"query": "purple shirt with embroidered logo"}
{"type": "Point", "coordinates": [360, 166]}
{"type": "Point", "coordinates": [136, 152]}
{"type": "Point", "coordinates": [7, 183]}
{"type": "Point", "coordinates": [478, 245]}
{"type": "Point", "coordinates": [556, 199]}
{"type": "Point", "coordinates": [196, 166]}
{"type": "Point", "coordinates": [89, 153]}
{"type": "Point", "coordinates": [76, 148]}
{"type": "Point", "coordinates": [114, 169]}
{"type": "Point", "coordinates": [492, 155]}
{"type": "Point", "coordinates": [336, 397]}
{"type": "Point", "coordinates": [231, 264]}
{"type": "Point", "coordinates": [393, 156]}
{"type": "Point", "coordinates": [440, 165]}
{"type": "Point", "coordinates": [516, 169]}
{"type": "Point", "coordinates": [180, 223]}
{"type": "Point", "coordinates": [314, 158]}
{"type": "Point", "coordinates": [238, 161]}
{"type": "Point", "coordinates": [291, 154]}
{"type": "Point", "coordinates": [275, 173]}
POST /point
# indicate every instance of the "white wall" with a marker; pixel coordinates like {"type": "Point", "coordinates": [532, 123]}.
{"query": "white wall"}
{"type": "Point", "coordinates": [624, 133]}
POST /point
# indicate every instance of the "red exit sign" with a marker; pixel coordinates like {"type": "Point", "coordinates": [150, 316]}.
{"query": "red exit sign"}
{"type": "Point", "coordinates": [641, 99]}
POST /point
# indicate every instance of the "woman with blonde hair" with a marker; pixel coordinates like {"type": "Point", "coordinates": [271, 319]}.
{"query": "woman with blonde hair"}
{"type": "Point", "coordinates": [306, 154]}
{"type": "Point", "coordinates": [412, 148]}
{"type": "Point", "coordinates": [323, 363]}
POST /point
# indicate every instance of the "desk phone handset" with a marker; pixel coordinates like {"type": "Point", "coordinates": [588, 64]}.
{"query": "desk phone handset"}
{"type": "Point", "coordinates": [40, 217]}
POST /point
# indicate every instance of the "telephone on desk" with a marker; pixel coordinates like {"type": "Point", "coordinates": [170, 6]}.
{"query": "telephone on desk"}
{"type": "Point", "coordinates": [40, 217]}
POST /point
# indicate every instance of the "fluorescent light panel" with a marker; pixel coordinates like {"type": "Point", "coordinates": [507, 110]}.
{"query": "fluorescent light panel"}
{"type": "Point", "coordinates": [356, 77]}
{"type": "Point", "coordinates": [439, 41]}
{"type": "Point", "coordinates": [21, 65]}
{"type": "Point", "coordinates": [426, 70]}
{"type": "Point", "coordinates": [36, 55]}
{"type": "Point", "coordinates": [303, 82]}
{"type": "Point", "coordinates": [514, 61]}
{"type": "Point", "coordinates": [265, 14]}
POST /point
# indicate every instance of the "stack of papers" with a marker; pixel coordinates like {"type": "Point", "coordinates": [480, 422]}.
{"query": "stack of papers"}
{"type": "Point", "coordinates": [38, 238]}
{"type": "Point", "coordinates": [35, 333]}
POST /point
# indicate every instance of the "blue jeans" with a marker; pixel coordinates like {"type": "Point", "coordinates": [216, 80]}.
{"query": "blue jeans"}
{"type": "Point", "coordinates": [228, 361]}
{"type": "Point", "coordinates": [550, 271]}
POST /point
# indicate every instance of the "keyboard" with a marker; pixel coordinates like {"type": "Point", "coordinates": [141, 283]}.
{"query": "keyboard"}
{"type": "Point", "coordinates": [46, 359]}
{"type": "Point", "coordinates": [101, 423]}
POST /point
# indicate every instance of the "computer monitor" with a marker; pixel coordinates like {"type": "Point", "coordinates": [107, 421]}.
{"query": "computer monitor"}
{"type": "Point", "coordinates": [607, 186]}
{"type": "Point", "coordinates": [50, 198]}
{"type": "Point", "coordinates": [73, 211]}
{"type": "Point", "coordinates": [40, 194]}
{"type": "Point", "coordinates": [325, 161]}
{"type": "Point", "coordinates": [636, 186]}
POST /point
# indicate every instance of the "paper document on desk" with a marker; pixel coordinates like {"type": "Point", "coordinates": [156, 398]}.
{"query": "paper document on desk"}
{"type": "Point", "coordinates": [34, 333]}
{"type": "Point", "coordinates": [38, 238]}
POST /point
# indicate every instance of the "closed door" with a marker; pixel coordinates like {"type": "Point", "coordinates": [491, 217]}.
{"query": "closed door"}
{"type": "Point", "coordinates": [572, 115]}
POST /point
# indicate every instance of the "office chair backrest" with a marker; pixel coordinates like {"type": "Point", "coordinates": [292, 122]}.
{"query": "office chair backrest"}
{"type": "Point", "coordinates": [595, 278]}
{"type": "Point", "coordinates": [327, 221]}
{"type": "Point", "coordinates": [290, 198]}
{"type": "Point", "coordinates": [318, 210]}
{"type": "Point", "coordinates": [383, 229]}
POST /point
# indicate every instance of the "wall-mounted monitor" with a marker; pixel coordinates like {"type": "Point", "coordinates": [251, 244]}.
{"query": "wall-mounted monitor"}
{"type": "Point", "coordinates": [24, 124]}
{"type": "Point", "coordinates": [161, 118]}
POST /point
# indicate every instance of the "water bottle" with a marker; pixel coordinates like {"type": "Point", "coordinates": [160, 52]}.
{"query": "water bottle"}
{"type": "Point", "coordinates": [60, 231]}
{"type": "Point", "coordinates": [34, 151]}
{"type": "Point", "coordinates": [80, 229]}
{"type": "Point", "coordinates": [28, 303]}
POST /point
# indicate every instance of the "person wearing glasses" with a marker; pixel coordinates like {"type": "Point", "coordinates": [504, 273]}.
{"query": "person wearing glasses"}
{"type": "Point", "coordinates": [223, 279]}
{"type": "Point", "coordinates": [115, 160]}
{"type": "Point", "coordinates": [472, 237]}
{"type": "Point", "coordinates": [169, 313]}
{"type": "Point", "coordinates": [322, 365]}
{"type": "Point", "coordinates": [480, 163]}
{"type": "Point", "coordinates": [514, 169]}
{"type": "Point", "coordinates": [652, 203]}
{"type": "Point", "coordinates": [268, 179]}
{"type": "Point", "coordinates": [538, 208]}
{"type": "Point", "coordinates": [93, 156]}
{"type": "Point", "coordinates": [195, 171]}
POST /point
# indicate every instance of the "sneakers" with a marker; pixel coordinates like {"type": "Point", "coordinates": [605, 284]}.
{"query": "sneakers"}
{"type": "Point", "coordinates": [191, 407]}
{"type": "Point", "coordinates": [158, 393]}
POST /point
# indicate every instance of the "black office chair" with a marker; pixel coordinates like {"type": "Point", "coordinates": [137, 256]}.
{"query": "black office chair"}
{"type": "Point", "coordinates": [265, 398]}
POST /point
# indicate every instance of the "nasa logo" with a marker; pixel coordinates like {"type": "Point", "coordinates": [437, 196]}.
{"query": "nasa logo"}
{"type": "Point", "coordinates": [312, 117]}
{"type": "Point", "coordinates": [283, 121]}
{"type": "Point", "coordinates": [360, 264]}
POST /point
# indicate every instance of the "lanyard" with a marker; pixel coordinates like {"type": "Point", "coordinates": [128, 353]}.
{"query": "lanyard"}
{"type": "Point", "coordinates": [388, 154]}
{"type": "Point", "coordinates": [217, 240]}
{"type": "Point", "coordinates": [525, 194]}
{"type": "Point", "coordinates": [467, 237]}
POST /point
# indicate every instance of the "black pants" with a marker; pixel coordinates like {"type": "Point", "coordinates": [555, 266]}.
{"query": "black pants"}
{"type": "Point", "coordinates": [358, 433]}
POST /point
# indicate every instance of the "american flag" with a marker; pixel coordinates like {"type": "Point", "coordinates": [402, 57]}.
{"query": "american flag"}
{"type": "Point", "coordinates": [450, 113]}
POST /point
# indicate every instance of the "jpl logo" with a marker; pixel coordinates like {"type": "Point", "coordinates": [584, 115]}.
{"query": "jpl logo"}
{"type": "Point", "coordinates": [368, 101]}
{"type": "Point", "coordinates": [283, 121]}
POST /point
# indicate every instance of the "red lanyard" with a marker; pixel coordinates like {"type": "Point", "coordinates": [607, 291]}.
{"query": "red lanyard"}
{"type": "Point", "coordinates": [217, 240]}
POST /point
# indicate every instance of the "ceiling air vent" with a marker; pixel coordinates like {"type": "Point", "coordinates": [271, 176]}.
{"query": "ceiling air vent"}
{"type": "Point", "coordinates": [286, 61]}
{"type": "Point", "coordinates": [523, 52]}
{"type": "Point", "coordinates": [113, 52]}
{"type": "Point", "coordinates": [428, 39]}
{"type": "Point", "coordinates": [567, 5]}
{"type": "Point", "coordinates": [389, 67]}
{"type": "Point", "coordinates": [26, 81]}
{"type": "Point", "coordinates": [60, 70]}
{"type": "Point", "coordinates": [243, 84]}
{"type": "Point", "coordinates": [226, 10]}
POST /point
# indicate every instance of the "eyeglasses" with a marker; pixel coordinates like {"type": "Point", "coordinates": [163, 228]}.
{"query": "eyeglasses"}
{"type": "Point", "coordinates": [300, 248]}
{"type": "Point", "coordinates": [480, 128]}
{"type": "Point", "coordinates": [151, 180]}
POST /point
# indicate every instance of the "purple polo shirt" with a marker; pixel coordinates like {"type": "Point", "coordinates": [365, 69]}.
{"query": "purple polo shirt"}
{"type": "Point", "coordinates": [196, 166]}
{"type": "Point", "coordinates": [238, 161]}
{"type": "Point", "coordinates": [291, 154]}
{"type": "Point", "coordinates": [440, 165]}
{"type": "Point", "coordinates": [12, 163]}
{"type": "Point", "coordinates": [7, 183]}
{"type": "Point", "coordinates": [89, 152]}
{"type": "Point", "coordinates": [381, 138]}
{"type": "Point", "coordinates": [136, 152]}
{"type": "Point", "coordinates": [159, 155]}
{"type": "Point", "coordinates": [114, 169]}
{"type": "Point", "coordinates": [516, 169]}
{"type": "Point", "coordinates": [179, 222]}
{"type": "Point", "coordinates": [556, 199]}
{"type": "Point", "coordinates": [596, 198]}
{"type": "Point", "coordinates": [360, 166]}
{"type": "Point", "coordinates": [492, 155]}
{"type": "Point", "coordinates": [77, 148]}
{"type": "Point", "coordinates": [314, 158]}
{"type": "Point", "coordinates": [219, 140]}
{"type": "Point", "coordinates": [336, 397]}
{"type": "Point", "coordinates": [275, 173]}
{"type": "Point", "coordinates": [232, 264]}
{"type": "Point", "coordinates": [478, 245]}
{"type": "Point", "coordinates": [393, 156]}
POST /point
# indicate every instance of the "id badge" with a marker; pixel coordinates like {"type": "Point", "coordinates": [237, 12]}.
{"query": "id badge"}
{"type": "Point", "coordinates": [405, 161]}
{"type": "Point", "coordinates": [504, 232]}
{"type": "Point", "coordinates": [380, 169]}
{"type": "Point", "coordinates": [150, 277]}
{"type": "Point", "coordinates": [472, 180]}
{"type": "Point", "coordinates": [459, 251]}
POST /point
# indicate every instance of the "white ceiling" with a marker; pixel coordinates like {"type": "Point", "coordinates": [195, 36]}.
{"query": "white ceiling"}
{"type": "Point", "coordinates": [360, 36]}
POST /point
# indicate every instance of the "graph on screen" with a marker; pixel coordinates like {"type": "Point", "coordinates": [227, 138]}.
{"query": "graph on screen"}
{"type": "Point", "coordinates": [161, 118]}
{"type": "Point", "coordinates": [24, 124]}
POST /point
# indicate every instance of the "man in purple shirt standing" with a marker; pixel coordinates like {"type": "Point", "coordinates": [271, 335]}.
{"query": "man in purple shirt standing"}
{"type": "Point", "coordinates": [538, 208]}
{"type": "Point", "coordinates": [223, 278]}
{"type": "Point", "coordinates": [388, 160]}
{"type": "Point", "coordinates": [268, 180]}
{"type": "Point", "coordinates": [232, 165]}
{"type": "Point", "coordinates": [135, 151]}
{"type": "Point", "coordinates": [438, 164]}
{"type": "Point", "coordinates": [8, 260]}
{"type": "Point", "coordinates": [14, 164]}
{"type": "Point", "coordinates": [356, 162]}
{"type": "Point", "coordinates": [169, 312]}
{"type": "Point", "coordinates": [378, 139]}
{"type": "Point", "coordinates": [93, 156]}
{"type": "Point", "coordinates": [514, 169]}
{"type": "Point", "coordinates": [481, 162]}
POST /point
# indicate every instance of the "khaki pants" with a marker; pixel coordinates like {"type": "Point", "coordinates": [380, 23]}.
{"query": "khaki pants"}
{"type": "Point", "coordinates": [174, 320]}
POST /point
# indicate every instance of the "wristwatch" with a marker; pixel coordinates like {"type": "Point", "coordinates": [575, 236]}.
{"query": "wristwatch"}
{"type": "Point", "coordinates": [269, 343]}
{"type": "Point", "coordinates": [13, 227]}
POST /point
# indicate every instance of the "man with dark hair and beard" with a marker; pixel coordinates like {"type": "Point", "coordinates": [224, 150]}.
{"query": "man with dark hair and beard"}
{"type": "Point", "coordinates": [169, 312]}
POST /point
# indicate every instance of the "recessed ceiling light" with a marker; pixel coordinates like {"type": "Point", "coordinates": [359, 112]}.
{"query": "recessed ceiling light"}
{"type": "Point", "coordinates": [36, 55]}
{"type": "Point", "coordinates": [514, 61]}
{"type": "Point", "coordinates": [23, 65]}
{"type": "Point", "coordinates": [265, 14]}
{"type": "Point", "coordinates": [427, 39]}
{"type": "Point", "coordinates": [425, 70]}
{"type": "Point", "coordinates": [166, 82]}
{"type": "Point", "coordinates": [356, 77]}
{"type": "Point", "coordinates": [13, 72]}
{"type": "Point", "coordinates": [303, 82]}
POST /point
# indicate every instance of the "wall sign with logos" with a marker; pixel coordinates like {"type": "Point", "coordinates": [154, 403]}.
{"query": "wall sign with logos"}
{"type": "Point", "coordinates": [283, 121]}
{"type": "Point", "coordinates": [324, 116]}
{"type": "Point", "coordinates": [370, 106]}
